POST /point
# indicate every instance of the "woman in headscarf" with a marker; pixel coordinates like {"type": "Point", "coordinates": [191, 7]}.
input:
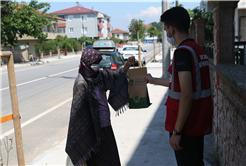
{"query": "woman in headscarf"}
{"type": "Point", "coordinates": [90, 137]}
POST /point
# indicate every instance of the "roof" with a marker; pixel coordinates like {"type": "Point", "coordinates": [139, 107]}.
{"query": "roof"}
{"type": "Point", "coordinates": [74, 10]}
{"type": "Point", "coordinates": [147, 26]}
{"type": "Point", "coordinates": [62, 25]}
{"type": "Point", "coordinates": [118, 31]}
{"type": "Point", "coordinates": [59, 18]}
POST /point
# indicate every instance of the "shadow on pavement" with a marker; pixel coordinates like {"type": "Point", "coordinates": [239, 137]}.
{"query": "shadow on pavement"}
{"type": "Point", "coordinates": [154, 146]}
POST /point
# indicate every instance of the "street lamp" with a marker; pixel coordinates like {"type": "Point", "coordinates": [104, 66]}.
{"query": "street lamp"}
{"type": "Point", "coordinates": [83, 28]}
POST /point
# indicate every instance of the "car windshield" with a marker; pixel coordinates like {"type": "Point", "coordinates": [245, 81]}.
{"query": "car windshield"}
{"type": "Point", "coordinates": [130, 49]}
{"type": "Point", "coordinates": [106, 58]}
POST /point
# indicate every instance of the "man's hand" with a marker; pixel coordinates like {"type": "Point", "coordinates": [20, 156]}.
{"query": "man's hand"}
{"type": "Point", "coordinates": [175, 141]}
{"type": "Point", "coordinates": [148, 78]}
{"type": "Point", "coordinates": [130, 61]}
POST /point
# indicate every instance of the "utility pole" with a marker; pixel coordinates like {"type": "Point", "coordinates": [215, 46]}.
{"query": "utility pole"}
{"type": "Point", "coordinates": [177, 3]}
{"type": "Point", "coordinates": [165, 45]}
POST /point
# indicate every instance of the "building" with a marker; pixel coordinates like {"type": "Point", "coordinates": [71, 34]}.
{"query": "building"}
{"type": "Point", "coordinates": [120, 34]}
{"type": "Point", "coordinates": [149, 39]}
{"type": "Point", "coordinates": [82, 21]}
{"type": "Point", "coordinates": [52, 31]}
{"type": "Point", "coordinates": [240, 20]}
{"type": "Point", "coordinates": [204, 5]}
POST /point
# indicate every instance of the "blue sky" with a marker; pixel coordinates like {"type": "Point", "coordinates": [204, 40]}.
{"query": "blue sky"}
{"type": "Point", "coordinates": [121, 12]}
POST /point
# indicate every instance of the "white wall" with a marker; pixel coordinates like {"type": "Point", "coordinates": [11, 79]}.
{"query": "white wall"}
{"type": "Point", "coordinates": [76, 24]}
{"type": "Point", "coordinates": [239, 11]}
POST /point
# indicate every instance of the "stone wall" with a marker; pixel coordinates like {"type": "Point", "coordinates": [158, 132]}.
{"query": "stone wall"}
{"type": "Point", "coordinates": [20, 53]}
{"type": "Point", "coordinates": [230, 114]}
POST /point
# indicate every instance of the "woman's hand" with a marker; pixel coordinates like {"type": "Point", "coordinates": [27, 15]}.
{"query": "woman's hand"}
{"type": "Point", "coordinates": [130, 61]}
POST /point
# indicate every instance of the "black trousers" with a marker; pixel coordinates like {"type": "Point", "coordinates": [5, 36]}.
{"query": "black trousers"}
{"type": "Point", "coordinates": [192, 152]}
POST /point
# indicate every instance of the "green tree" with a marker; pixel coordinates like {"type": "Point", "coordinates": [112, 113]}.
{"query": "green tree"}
{"type": "Point", "coordinates": [59, 39]}
{"type": "Point", "coordinates": [157, 25]}
{"type": "Point", "coordinates": [152, 31]}
{"type": "Point", "coordinates": [159, 35]}
{"type": "Point", "coordinates": [82, 39]}
{"type": "Point", "coordinates": [209, 25]}
{"type": "Point", "coordinates": [18, 19]}
{"type": "Point", "coordinates": [137, 29]}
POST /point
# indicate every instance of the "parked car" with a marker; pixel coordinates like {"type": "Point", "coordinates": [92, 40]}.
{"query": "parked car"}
{"type": "Point", "coordinates": [111, 58]}
{"type": "Point", "coordinates": [88, 47]}
{"type": "Point", "coordinates": [128, 51]}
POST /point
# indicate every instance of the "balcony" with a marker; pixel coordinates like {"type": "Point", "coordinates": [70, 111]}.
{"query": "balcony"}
{"type": "Point", "coordinates": [109, 35]}
{"type": "Point", "coordinates": [100, 35]}
{"type": "Point", "coordinates": [109, 26]}
{"type": "Point", "coordinates": [50, 36]}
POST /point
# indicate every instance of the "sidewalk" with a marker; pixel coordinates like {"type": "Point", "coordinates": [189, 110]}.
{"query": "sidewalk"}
{"type": "Point", "coordinates": [44, 60]}
{"type": "Point", "coordinates": [140, 134]}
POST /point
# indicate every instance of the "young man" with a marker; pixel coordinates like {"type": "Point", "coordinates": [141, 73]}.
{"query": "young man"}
{"type": "Point", "coordinates": [189, 104]}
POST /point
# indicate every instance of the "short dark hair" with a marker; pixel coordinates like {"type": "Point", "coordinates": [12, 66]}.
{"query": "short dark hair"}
{"type": "Point", "coordinates": [177, 17]}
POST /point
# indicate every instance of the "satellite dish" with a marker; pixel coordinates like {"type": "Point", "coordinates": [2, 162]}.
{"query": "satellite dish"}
{"type": "Point", "coordinates": [78, 4]}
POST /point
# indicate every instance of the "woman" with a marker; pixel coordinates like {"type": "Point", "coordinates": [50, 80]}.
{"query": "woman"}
{"type": "Point", "coordinates": [90, 137]}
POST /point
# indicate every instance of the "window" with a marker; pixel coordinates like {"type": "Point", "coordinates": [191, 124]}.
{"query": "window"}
{"type": "Point", "coordinates": [120, 57]}
{"type": "Point", "coordinates": [130, 49]}
{"type": "Point", "coordinates": [106, 58]}
{"type": "Point", "coordinates": [61, 16]}
{"type": "Point", "coordinates": [61, 30]}
{"type": "Point", "coordinates": [70, 18]}
{"type": "Point", "coordinates": [84, 18]}
{"type": "Point", "coordinates": [84, 30]}
{"type": "Point", "coordinates": [70, 30]}
{"type": "Point", "coordinates": [118, 35]}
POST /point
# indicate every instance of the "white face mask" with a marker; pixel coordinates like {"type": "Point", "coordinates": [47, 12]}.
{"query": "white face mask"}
{"type": "Point", "coordinates": [171, 41]}
{"type": "Point", "coordinates": [95, 67]}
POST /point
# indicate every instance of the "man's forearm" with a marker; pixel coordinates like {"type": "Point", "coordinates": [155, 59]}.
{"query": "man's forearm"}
{"type": "Point", "coordinates": [185, 106]}
{"type": "Point", "coordinates": [160, 81]}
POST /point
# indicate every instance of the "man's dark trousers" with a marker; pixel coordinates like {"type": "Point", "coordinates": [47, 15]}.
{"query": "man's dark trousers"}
{"type": "Point", "coordinates": [192, 152]}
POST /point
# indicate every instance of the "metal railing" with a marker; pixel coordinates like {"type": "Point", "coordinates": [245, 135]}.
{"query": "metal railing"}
{"type": "Point", "coordinates": [209, 50]}
{"type": "Point", "coordinates": [239, 53]}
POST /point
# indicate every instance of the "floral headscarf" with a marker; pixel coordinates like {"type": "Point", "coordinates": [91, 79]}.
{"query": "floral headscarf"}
{"type": "Point", "coordinates": [87, 59]}
{"type": "Point", "coordinates": [93, 78]}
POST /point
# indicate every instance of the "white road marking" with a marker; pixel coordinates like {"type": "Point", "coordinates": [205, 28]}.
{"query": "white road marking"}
{"type": "Point", "coordinates": [38, 66]}
{"type": "Point", "coordinates": [36, 117]}
{"type": "Point", "coordinates": [41, 78]}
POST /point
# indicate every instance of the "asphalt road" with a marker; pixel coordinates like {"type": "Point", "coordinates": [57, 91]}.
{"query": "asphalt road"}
{"type": "Point", "coordinates": [44, 95]}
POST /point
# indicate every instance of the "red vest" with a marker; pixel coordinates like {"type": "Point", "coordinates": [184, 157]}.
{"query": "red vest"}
{"type": "Point", "coordinates": [199, 121]}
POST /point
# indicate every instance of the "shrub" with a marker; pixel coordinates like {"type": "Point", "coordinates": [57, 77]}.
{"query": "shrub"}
{"type": "Point", "coordinates": [37, 47]}
{"type": "Point", "coordinates": [66, 45]}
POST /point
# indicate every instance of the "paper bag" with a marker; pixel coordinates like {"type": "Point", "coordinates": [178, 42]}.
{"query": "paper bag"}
{"type": "Point", "coordinates": [138, 92]}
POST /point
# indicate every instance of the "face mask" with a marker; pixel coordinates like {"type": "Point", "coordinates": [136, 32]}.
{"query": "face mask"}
{"type": "Point", "coordinates": [171, 41]}
{"type": "Point", "coordinates": [95, 67]}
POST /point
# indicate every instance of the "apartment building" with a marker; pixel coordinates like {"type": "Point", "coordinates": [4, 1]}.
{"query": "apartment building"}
{"type": "Point", "coordinates": [84, 22]}
{"type": "Point", "coordinates": [240, 20]}
{"type": "Point", "coordinates": [204, 5]}
{"type": "Point", "coordinates": [51, 30]}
